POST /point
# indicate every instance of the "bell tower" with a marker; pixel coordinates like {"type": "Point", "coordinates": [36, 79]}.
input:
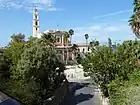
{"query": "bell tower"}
{"type": "Point", "coordinates": [35, 23]}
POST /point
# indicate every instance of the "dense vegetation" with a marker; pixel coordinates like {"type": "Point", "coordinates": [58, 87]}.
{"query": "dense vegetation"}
{"type": "Point", "coordinates": [116, 69]}
{"type": "Point", "coordinates": [28, 69]}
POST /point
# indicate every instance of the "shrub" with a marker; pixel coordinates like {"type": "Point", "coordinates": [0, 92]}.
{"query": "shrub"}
{"type": "Point", "coordinates": [104, 64]}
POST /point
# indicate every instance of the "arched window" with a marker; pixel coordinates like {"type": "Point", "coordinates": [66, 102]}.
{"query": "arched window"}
{"type": "Point", "coordinates": [78, 49]}
{"type": "Point", "coordinates": [58, 39]}
{"type": "Point", "coordinates": [83, 50]}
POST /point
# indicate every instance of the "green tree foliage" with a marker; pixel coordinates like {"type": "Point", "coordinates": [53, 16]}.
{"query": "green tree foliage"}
{"type": "Point", "coordinates": [31, 68]}
{"type": "Point", "coordinates": [109, 43]}
{"type": "Point", "coordinates": [134, 21]}
{"type": "Point", "coordinates": [13, 53]}
{"type": "Point", "coordinates": [38, 63]}
{"type": "Point", "coordinates": [48, 38]}
{"type": "Point", "coordinates": [4, 67]}
{"type": "Point", "coordinates": [18, 37]}
{"type": "Point", "coordinates": [104, 65]}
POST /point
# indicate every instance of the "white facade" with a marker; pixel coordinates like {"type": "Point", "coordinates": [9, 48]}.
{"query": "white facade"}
{"type": "Point", "coordinates": [84, 48]}
{"type": "Point", "coordinates": [35, 23]}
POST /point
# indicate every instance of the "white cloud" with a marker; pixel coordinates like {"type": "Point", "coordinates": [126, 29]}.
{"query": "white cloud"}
{"type": "Point", "coordinates": [102, 32]}
{"type": "Point", "coordinates": [95, 28]}
{"type": "Point", "coordinates": [47, 5]}
{"type": "Point", "coordinates": [113, 14]}
{"type": "Point", "coordinates": [111, 29]}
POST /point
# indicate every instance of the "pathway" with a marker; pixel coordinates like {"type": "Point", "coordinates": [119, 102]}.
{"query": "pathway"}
{"type": "Point", "coordinates": [83, 95]}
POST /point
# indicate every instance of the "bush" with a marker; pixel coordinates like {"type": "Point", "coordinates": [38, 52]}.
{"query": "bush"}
{"type": "Point", "coordinates": [125, 92]}
{"type": "Point", "coordinates": [32, 70]}
{"type": "Point", "coordinates": [105, 64]}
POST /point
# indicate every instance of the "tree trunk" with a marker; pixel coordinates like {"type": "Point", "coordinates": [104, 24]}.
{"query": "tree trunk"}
{"type": "Point", "coordinates": [86, 45]}
{"type": "Point", "coordinates": [67, 53]}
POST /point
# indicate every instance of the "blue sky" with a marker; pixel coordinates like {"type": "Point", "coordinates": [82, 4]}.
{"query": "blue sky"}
{"type": "Point", "coordinates": [100, 19]}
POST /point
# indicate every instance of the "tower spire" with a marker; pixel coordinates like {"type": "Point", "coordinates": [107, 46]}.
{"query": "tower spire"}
{"type": "Point", "coordinates": [35, 22]}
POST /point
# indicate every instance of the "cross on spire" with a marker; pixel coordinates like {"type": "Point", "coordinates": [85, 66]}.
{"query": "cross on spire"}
{"type": "Point", "coordinates": [35, 8]}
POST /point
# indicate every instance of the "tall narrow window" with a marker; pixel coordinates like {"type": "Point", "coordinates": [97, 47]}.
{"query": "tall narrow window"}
{"type": "Point", "coordinates": [58, 39]}
{"type": "Point", "coordinates": [35, 16]}
{"type": "Point", "coordinates": [36, 29]}
{"type": "Point", "coordinates": [78, 49]}
{"type": "Point", "coordinates": [36, 23]}
{"type": "Point", "coordinates": [83, 50]}
{"type": "Point", "coordinates": [88, 48]}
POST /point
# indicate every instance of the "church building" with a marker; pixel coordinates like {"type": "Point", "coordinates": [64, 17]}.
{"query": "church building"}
{"type": "Point", "coordinates": [64, 50]}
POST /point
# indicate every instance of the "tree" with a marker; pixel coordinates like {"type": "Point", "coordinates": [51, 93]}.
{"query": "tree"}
{"type": "Point", "coordinates": [48, 38]}
{"type": "Point", "coordinates": [94, 44]}
{"type": "Point", "coordinates": [28, 69]}
{"type": "Point", "coordinates": [66, 41]}
{"type": "Point", "coordinates": [66, 37]}
{"type": "Point", "coordinates": [74, 49]}
{"type": "Point", "coordinates": [104, 65]}
{"type": "Point", "coordinates": [4, 67]}
{"type": "Point", "coordinates": [86, 37]}
{"type": "Point", "coordinates": [71, 33]}
{"type": "Point", "coordinates": [18, 37]}
{"type": "Point", "coordinates": [13, 53]}
{"type": "Point", "coordinates": [134, 21]}
{"type": "Point", "coordinates": [109, 43]}
{"type": "Point", "coordinates": [35, 73]}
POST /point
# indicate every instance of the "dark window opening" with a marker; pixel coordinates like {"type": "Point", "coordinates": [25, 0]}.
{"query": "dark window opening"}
{"type": "Point", "coordinates": [78, 49]}
{"type": "Point", "coordinates": [88, 48]}
{"type": "Point", "coordinates": [36, 29]}
{"type": "Point", "coordinates": [83, 49]}
{"type": "Point", "coordinates": [36, 23]}
{"type": "Point", "coordinates": [58, 39]}
{"type": "Point", "coordinates": [35, 16]}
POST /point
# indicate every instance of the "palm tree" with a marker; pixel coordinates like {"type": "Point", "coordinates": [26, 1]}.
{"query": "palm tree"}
{"type": "Point", "coordinates": [71, 32]}
{"type": "Point", "coordinates": [75, 51]}
{"type": "Point", "coordinates": [86, 37]}
{"type": "Point", "coordinates": [136, 5]}
{"type": "Point", "coordinates": [66, 37]}
{"type": "Point", "coordinates": [134, 21]}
